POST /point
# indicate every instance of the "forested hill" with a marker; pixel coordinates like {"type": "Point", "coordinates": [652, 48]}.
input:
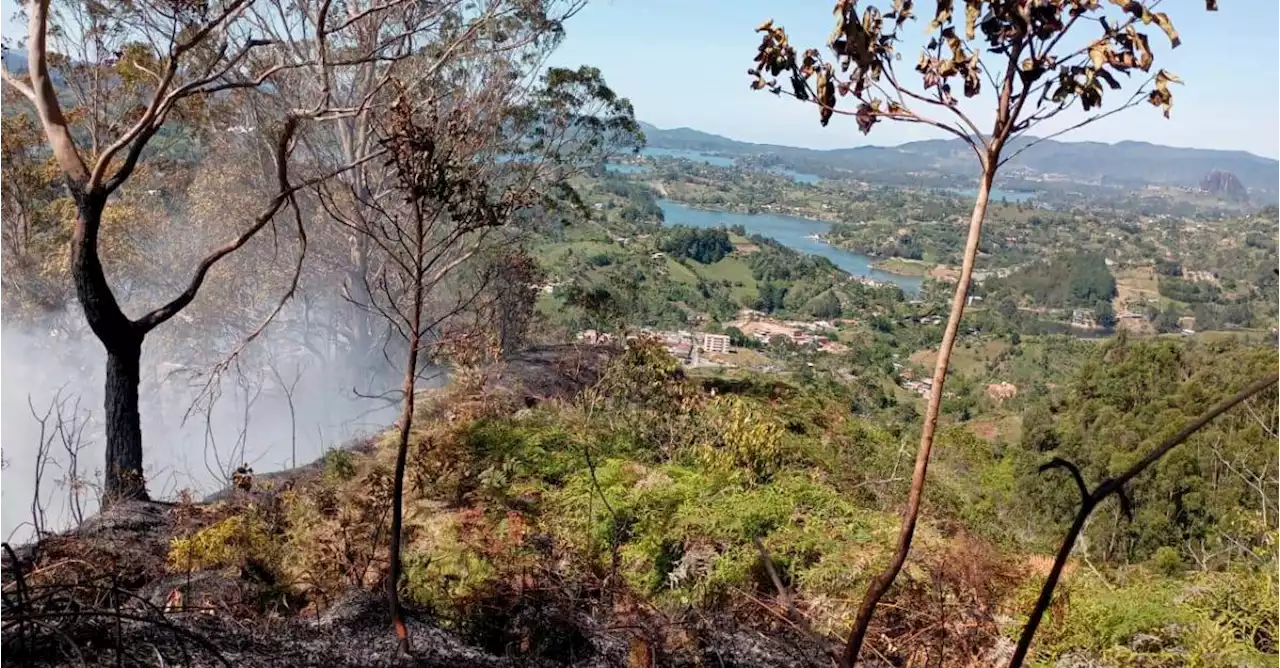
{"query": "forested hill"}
{"type": "Point", "coordinates": [1125, 164]}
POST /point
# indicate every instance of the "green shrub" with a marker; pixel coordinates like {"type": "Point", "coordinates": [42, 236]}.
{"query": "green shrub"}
{"type": "Point", "coordinates": [1241, 604]}
{"type": "Point", "coordinates": [235, 541]}
{"type": "Point", "coordinates": [508, 452]}
{"type": "Point", "coordinates": [1101, 617]}
{"type": "Point", "coordinates": [1167, 561]}
{"type": "Point", "coordinates": [441, 571]}
{"type": "Point", "coordinates": [339, 465]}
{"type": "Point", "coordinates": [1141, 619]}
{"type": "Point", "coordinates": [749, 439]}
{"type": "Point", "coordinates": [687, 534]}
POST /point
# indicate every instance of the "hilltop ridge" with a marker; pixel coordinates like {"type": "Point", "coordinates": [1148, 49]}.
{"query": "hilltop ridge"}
{"type": "Point", "coordinates": [1126, 164]}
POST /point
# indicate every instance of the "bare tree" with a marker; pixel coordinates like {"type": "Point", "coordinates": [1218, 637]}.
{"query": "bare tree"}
{"type": "Point", "coordinates": [62, 424]}
{"type": "Point", "coordinates": [141, 67]}
{"type": "Point", "coordinates": [415, 42]}
{"type": "Point", "coordinates": [288, 388]}
{"type": "Point", "coordinates": [1036, 74]}
{"type": "Point", "coordinates": [475, 164]}
{"type": "Point", "coordinates": [49, 425]}
{"type": "Point", "coordinates": [438, 241]}
{"type": "Point", "coordinates": [72, 422]}
{"type": "Point", "coordinates": [509, 309]}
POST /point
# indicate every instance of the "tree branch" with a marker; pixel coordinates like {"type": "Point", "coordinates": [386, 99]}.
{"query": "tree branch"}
{"type": "Point", "coordinates": [905, 115]}
{"type": "Point", "coordinates": [964, 118]}
{"type": "Point", "coordinates": [18, 84]}
{"type": "Point", "coordinates": [139, 130]}
{"type": "Point", "coordinates": [45, 99]}
{"type": "Point", "coordinates": [1130, 103]}
{"type": "Point", "coordinates": [1058, 462]}
{"type": "Point", "coordinates": [158, 316]}
{"type": "Point", "coordinates": [1116, 486]}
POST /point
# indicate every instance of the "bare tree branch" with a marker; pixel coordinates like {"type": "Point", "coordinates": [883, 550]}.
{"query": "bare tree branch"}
{"type": "Point", "coordinates": [1116, 485]}
{"type": "Point", "coordinates": [45, 98]}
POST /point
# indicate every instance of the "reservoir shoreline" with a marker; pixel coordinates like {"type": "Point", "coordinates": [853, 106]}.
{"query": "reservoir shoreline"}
{"type": "Point", "coordinates": [799, 234]}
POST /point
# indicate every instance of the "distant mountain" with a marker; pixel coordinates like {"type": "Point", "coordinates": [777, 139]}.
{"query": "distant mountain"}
{"type": "Point", "coordinates": [1127, 164]}
{"type": "Point", "coordinates": [697, 140]}
{"type": "Point", "coordinates": [1223, 184]}
{"type": "Point", "coordinates": [14, 60]}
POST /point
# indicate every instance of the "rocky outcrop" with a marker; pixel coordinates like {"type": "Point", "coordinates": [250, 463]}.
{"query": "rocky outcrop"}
{"type": "Point", "coordinates": [1224, 184]}
{"type": "Point", "coordinates": [1001, 392]}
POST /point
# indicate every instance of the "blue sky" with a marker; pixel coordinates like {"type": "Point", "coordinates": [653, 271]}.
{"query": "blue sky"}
{"type": "Point", "coordinates": [684, 62]}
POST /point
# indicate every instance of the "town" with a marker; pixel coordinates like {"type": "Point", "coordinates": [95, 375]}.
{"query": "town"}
{"type": "Point", "coordinates": [698, 349]}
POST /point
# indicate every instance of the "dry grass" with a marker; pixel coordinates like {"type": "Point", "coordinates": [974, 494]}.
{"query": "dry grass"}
{"type": "Point", "coordinates": [945, 273]}
{"type": "Point", "coordinates": [948, 618]}
{"type": "Point", "coordinates": [904, 267]}
{"type": "Point", "coordinates": [968, 360]}
{"type": "Point", "coordinates": [1007, 428]}
{"type": "Point", "coordinates": [742, 357]}
{"type": "Point", "coordinates": [1039, 565]}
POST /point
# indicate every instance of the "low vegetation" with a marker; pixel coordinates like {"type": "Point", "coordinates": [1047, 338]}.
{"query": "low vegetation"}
{"type": "Point", "coordinates": [665, 490]}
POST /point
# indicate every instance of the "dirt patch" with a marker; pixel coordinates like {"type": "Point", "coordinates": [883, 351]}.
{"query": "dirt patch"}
{"type": "Point", "coordinates": [926, 357]}
{"type": "Point", "coordinates": [1039, 566]}
{"type": "Point", "coordinates": [1006, 429]}
{"type": "Point", "coordinates": [943, 272]}
{"type": "Point", "coordinates": [1135, 287]}
{"type": "Point", "coordinates": [985, 429]}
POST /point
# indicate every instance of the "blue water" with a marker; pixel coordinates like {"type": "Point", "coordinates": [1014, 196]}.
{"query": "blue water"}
{"type": "Point", "coordinates": [627, 169]}
{"type": "Point", "coordinates": [790, 232]}
{"type": "Point", "coordinates": [798, 177]}
{"type": "Point", "coordinates": [997, 194]}
{"type": "Point", "coordinates": [682, 154]}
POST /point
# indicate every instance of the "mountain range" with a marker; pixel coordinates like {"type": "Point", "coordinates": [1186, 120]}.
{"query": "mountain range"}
{"type": "Point", "coordinates": [1049, 165]}
{"type": "Point", "coordinates": [1126, 164]}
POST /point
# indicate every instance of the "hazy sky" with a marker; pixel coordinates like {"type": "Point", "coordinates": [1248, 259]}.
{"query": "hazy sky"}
{"type": "Point", "coordinates": [684, 62]}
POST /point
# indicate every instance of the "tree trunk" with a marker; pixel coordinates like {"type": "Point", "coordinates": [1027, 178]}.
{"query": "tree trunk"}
{"type": "Point", "coordinates": [124, 478]}
{"type": "Point", "coordinates": [361, 322]}
{"type": "Point", "coordinates": [123, 341]}
{"type": "Point", "coordinates": [880, 585]}
{"type": "Point", "coordinates": [402, 453]}
{"type": "Point", "coordinates": [1051, 582]}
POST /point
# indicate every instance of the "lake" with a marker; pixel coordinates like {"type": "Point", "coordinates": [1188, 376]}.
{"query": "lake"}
{"type": "Point", "coordinates": [682, 154]}
{"type": "Point", "coordinates": [791, 232]}
{"type": "Point", "coordinates": [626, 169]}
{"type": "Point", "coordinates": [798, 177]}
{"type": "Point", "coordinates": [996, 194]}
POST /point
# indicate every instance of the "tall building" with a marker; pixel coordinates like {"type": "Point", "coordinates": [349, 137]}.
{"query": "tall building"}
{"type": "Point", "coordinates": [715, 343]}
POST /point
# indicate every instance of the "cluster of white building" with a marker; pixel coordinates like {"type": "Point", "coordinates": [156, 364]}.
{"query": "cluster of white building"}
{"type": "Point", "coordinates": [763, 328]}
{"type": "Point", "coordinates": [685, 346]}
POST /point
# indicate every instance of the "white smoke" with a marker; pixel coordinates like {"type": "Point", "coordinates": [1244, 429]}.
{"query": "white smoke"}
{"type": "Point", "coordinates": [250, 421]}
